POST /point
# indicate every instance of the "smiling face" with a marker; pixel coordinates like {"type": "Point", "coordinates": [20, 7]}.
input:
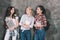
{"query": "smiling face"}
{"type": "Point", "coordinates": [39, 11]}
{"type": "Point", "coordinates": [28, 11]}
{"type": "Point", "coordinates": [12, 11]}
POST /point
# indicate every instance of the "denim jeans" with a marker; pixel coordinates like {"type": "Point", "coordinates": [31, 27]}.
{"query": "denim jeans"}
{"type": "Point", "coordinates": [7, 35]}
{"type": "Point", "coordinates": [25, 35]}
{"type": "Point", "coordinates": [39, 34]}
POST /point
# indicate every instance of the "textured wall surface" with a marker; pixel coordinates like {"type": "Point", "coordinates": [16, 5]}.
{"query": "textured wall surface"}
{"type": "Point", "coordinates": [3, 6]}
{"type": "Point", "coordinates": [53, 14]}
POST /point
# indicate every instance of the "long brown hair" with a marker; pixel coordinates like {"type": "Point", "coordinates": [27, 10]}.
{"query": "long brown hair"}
{"type": "Point", "coordinates": [8, 11]}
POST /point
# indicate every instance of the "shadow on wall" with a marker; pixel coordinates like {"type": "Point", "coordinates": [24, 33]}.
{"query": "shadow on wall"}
{"type": "Point", "coordinates": [3, 5]}
{"type": "Point", "coordinates": [50, 29]}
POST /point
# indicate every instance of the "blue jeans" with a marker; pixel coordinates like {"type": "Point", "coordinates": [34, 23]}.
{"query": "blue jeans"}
{"type": "Point", "coordinates": [25, 35]}
{"type": "Point", "coordinates": [39, 34]}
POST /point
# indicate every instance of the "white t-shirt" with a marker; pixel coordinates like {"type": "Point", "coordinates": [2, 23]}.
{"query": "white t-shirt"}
{"type": "Point", "coordinates": [11, 21]}
{"type": "Point", "coordinates": [27, 20]}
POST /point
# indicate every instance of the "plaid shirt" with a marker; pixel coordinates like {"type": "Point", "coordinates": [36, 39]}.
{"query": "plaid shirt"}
{"type": "Point", "coordinates": [41, 18]}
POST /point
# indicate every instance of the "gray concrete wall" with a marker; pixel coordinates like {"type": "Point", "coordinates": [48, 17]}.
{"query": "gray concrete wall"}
{"type": "Point", "coordinates": [3, 6]}
{"type": "Point", "coordinates": [53, 14]}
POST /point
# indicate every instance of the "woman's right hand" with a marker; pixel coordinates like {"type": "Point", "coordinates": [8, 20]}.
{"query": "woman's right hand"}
{"type": "Point", "coordinates": [26, 25]}
{"type": "Point", "coordinates": [37, 26]}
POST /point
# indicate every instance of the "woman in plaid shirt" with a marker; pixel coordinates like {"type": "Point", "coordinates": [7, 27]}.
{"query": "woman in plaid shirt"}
{"type": "Point", "coordinates": [40, 23]}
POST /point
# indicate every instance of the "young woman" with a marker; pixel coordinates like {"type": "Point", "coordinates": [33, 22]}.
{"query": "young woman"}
{"type": "Point", "coordinates": [40, 23]}
{"type": "Point", "coordinates": [26, 22]}
{"type": "Point", "coordinates": [11, 21]}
